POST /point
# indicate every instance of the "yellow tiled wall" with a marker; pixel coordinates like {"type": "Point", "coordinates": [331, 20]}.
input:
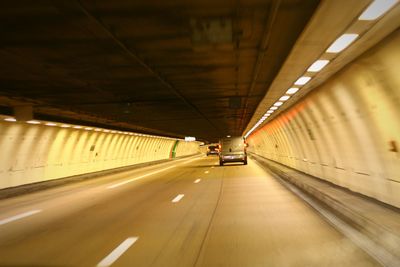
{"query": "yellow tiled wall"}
{"type": "Point", "coordinates": [34, 153]}
{"type": "Point", "coordinates": [346, 131]}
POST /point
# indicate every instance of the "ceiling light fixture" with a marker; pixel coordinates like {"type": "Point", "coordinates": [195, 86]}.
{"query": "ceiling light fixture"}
{"type": "Point", "coordinates": [377, 9]}
{"type": "Point", "coordinates": [318, 65]}
{"type": "Point", "coordinates": [51, 124]}
{"type": "Point", "coordinates": [278, 104]}
{"type": "Point", "coordinates": [284, 98]}
{"type": "Point", "coordinates": [292, 91]}
{"type": "Point", "coordinates": [342, 42]}
{"type": "Point", "coordinates": [33, 122]}
{"type": "Point", "coordinates": [10, 119]}
{"type": "Point", "coordinates": [302, 80]}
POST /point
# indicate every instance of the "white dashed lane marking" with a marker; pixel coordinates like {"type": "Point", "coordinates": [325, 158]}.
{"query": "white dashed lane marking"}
{"type": "Point", "coordinates": [117, 252]}
{"type": "Point", "coordinates": [178, 198]}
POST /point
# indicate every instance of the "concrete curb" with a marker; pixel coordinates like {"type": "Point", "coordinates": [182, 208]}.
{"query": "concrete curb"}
{"type": "Point", "coordinates": [34, 187]}
{"type": "Point", "coordinates": [373, 229]}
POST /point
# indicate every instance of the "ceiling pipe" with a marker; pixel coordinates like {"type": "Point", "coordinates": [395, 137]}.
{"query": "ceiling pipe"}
{"type": "Point", "coordinates": [136, 57]}
{"type": "Point", "coordinates": [262, 50]}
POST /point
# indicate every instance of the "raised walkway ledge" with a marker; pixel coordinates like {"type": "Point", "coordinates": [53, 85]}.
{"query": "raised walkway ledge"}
{"type": "Point", "coordinates": [376, 220]}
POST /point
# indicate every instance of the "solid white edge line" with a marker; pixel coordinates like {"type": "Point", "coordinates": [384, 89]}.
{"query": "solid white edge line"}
{"type": "Point", "coordinates": [138, 178]}
{"type": "Point", "coordinates": [19, 216]}
{"type": "Point", "coordinates": [117, 252]}
{"type": "Point", "coordinates": [145, 175]}
{"type": "Point", "coordinates": [197, 181]}
{"type": "Point", "coordinates": [178, 198]}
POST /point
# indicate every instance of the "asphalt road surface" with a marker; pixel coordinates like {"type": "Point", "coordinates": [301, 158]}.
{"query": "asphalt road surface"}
{"type": "Point", "coordinates": [187, 213]}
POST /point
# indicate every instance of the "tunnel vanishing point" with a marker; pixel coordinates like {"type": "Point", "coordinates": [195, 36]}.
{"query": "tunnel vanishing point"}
{"type": "Point", "coordinates": [108, 110]}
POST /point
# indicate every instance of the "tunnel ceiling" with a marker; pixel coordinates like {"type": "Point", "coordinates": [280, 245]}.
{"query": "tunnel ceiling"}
{"type": "Point", "coordinates": [179, 67]}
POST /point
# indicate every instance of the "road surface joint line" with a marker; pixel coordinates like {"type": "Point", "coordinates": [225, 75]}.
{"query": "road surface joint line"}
{"type": "Point", "coordinates": [178, 198]}
{"type": "Point", "coordinates": [19, 216]}
{"type": "Point", "coordinates": [117, 252]}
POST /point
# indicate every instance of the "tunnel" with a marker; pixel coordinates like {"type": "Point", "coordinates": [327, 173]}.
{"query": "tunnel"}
{"type": "Point", "coordinates": [229, 133]}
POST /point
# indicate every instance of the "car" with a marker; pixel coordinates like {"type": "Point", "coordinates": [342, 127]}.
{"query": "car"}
{"type": "Point", "coordinates": [232, 149]}
{"type": "Point", "coordinates": [212, 150]}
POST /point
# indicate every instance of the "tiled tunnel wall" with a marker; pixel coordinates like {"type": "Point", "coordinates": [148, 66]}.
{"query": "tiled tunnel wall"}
{"type": "Point", "coordinates": [346, 131]}
{"type": "Point", "coordinates": [35, 153]}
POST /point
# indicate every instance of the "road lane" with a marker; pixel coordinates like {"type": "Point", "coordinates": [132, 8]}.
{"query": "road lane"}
{"type": "Point", "coordinates": [236, 216]}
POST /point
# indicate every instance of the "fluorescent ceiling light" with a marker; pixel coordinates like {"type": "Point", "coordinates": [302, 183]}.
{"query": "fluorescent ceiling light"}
{"type": "Point", "coordinates": [65, 126]}
{"type": "Point", "coordinates": [318, 65]}
{"type": "Point", "coordinates": [284, 98]}
{"type": "Point", "coordinates": [377, 9]}
{"type": "Point", "coordinates": [342, 42]}
{"type": "Point", "coordinates": [10, 119]}
{"type": "Point", "coordinates": [97, 130]}
{"type": "Point", "coordinates": [33, 122]}
{"type": "Point", "coordinates": [273, 108]}
{"type": "Point", "coordinates": [278, 104]}
{"type": "Point", "coordinates": [302, 80]}
{"type": "Point", "coordinates": [88, 128]}
{"type": "Point", "coordinates": [106, 131]}
{"type": "Point", "coordinates": [292, 91]}
{"type": "Point", "coordinates": [77, 127]}
{"type": "Point", "coordinates": [270, 111]}
{"type": "Point", "coordinates": [51, 124]}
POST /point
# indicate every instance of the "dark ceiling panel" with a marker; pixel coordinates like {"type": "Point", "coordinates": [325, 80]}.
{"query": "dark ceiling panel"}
{"type": "Point", "coordinates": [179, 67]}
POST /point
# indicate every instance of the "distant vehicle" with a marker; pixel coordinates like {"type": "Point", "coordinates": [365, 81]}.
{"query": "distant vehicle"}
{"type": "Point", "coordinates": [232, 149]}
{"type": "Point", "coordinates": [212, 150]}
